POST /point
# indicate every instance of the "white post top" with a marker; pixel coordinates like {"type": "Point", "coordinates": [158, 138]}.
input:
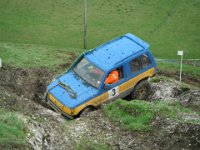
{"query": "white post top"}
{"type": "Point", "coordinates": [180, 53]}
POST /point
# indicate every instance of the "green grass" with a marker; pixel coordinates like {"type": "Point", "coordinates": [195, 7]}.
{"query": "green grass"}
{"type": "Point", "coordinates": [167, 26]}
{"type": "Point", "coordinates": [29, 55]}
{"type": "Point", "coordinates": [12, 132]}
{"type": "Point", "coordinates": [137, 115]}
{"type": "Point", "coordinates": [175, 67]}
{"type": "Point", "coordinates": [134, 115]}
{"type": "Point", "coordinates": [170, 109]}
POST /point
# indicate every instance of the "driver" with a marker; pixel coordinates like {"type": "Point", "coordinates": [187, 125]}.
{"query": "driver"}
{"type": "Point", "coordinates": [112, 77]}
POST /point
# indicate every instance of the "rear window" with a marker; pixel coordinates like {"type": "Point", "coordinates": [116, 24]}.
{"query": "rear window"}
{"type": "Point", "coordinates": [144, 59]}
{"type": "Point", "coordinates": [139, 63]}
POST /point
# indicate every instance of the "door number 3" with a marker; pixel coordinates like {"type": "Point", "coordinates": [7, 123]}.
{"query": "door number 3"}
{"type": "Point", "coordinates": [113, 92]}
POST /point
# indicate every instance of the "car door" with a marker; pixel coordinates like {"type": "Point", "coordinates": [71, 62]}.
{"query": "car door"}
{"type": "Point", "coordinates": [114, 91]}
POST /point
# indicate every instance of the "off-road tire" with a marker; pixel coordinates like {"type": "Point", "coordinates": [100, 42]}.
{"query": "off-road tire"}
{"type": "Point", "coordinates": [141, 90]}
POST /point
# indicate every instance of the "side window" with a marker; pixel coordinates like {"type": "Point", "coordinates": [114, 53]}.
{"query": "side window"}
{"type": "Point", "coordinates": [139, 63]}
{"type": "Point", "coordinates": [135, 65]}
{"type": "Point", "coordinates": [121, 72]}
{"type": "Point", "coordinates": [144, 60]}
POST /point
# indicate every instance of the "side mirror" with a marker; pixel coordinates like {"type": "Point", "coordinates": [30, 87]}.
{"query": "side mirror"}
{"type": "Point", "coordinates": [107, 86]}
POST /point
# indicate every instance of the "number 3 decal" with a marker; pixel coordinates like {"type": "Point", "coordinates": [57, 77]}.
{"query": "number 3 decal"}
{"type": "Point", "coordinates": [113, 92]}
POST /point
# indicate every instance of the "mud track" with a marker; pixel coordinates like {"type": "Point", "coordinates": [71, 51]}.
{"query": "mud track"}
{"type": "Point", "coordinates": [185, 78]}
{"type": "Point", "coordinates": [28, 83]}
{"type": "Point", "coordinates": [22, 90]}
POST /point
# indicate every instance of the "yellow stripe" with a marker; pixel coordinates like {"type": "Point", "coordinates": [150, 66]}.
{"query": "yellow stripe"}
{"type": "Point", "coordinates": [132, 82]}
{"type": "Point", "coordinates": [94, 102]}
{"type": "Point", "coordinates": [103, 97]}
{"type": "Point", "coordinates": [59, 105]}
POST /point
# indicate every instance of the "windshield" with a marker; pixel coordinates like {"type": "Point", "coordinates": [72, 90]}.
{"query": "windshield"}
{"type": "Point", "coordinates": [89, 72]}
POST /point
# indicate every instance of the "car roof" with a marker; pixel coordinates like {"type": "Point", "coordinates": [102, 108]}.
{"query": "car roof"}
{"type": "Point", "coordinates": [108, 55]}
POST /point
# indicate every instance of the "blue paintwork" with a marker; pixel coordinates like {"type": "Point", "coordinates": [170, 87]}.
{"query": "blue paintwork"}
{"type": "Point", "coordinates": [108, 55]}
{"type": "Point", "coordinates": [84, 92]}
{"type": "Point", "coordinates": [116, 53]}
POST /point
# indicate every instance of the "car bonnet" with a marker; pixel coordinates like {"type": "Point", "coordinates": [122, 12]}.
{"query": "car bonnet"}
{"type": "Point", "coordinates": [71, 91]}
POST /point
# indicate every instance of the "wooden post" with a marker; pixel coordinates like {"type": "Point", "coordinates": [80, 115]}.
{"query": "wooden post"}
{"type": "Point", "coordinates": [85, 25]}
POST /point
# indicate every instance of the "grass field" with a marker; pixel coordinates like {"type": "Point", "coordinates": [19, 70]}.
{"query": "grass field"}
{"type": "Point", "coordinates": [167, 26]}
{"type": "Point", "coordinates": [12, 133]}
{"type": "Point", "coordinates": [175, 67]}
{"type": "Point", "coordinates": [31, 55]}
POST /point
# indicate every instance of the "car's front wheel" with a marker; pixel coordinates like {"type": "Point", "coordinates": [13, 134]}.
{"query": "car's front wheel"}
{"type": "Point", "coordinates": [141, 90]}
{"type": "Point", "coordinates": [86, 111]}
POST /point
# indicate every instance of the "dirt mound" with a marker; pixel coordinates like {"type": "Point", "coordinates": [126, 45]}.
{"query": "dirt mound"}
{"type": "Point", "coordinates": [170, 134]}
{"type": "Point", "coordinates": [185, 136]}
{"type": "Point", "coordinates": [26, 82]}
{"type": "Point", "coordinates": [171, 90]}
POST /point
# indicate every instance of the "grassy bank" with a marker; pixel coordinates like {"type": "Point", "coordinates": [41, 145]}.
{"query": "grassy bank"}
{"type": "Point", "coordinates": [167, 26]}
{"type": "Point", "coordinates": [138, 115]}
{"type": "Point", "coordinates": [31, 55]}
{"type": "Point", "coordinates": [12, 134]}
{"type": "Point", "coordinates": [170, 67]}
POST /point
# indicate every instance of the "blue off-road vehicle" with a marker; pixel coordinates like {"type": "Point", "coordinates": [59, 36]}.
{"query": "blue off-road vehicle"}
{"type": "Point", "coordinates": [83, 86]}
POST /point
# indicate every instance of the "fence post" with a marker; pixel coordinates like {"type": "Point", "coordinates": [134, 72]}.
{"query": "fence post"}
{"type": "Point", "coordinates": [180, 53]}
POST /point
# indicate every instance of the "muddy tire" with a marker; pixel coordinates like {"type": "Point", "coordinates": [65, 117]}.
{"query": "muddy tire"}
{"type": "Point", "coordinates": [141, 91]}
{"type": "Point", "coordinates": [127, 98]}
{"type": "Point", "coordinates": [85, 111]}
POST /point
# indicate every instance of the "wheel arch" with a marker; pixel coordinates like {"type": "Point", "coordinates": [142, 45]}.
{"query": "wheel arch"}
{"type": "Point", "coordinates": [85, 107]}
{"type": "Point", "coordinates": [138, 85]}
{"type": "Point", "coordinates": [146, 78]}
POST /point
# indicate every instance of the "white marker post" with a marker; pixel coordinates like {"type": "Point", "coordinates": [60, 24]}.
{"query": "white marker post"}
{"type": "Point", "coordinates": [0, 63]}
{"type": "Point", "coordinates": [180, 53]}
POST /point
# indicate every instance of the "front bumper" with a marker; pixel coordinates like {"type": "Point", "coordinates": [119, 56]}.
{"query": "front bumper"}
{"type": "Point", "coordinates": [58, 107]}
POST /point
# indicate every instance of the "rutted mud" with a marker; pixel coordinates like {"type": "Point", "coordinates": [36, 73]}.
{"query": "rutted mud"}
{"type": "Point", "coordinates": [22, 90]}
{"type": "Point", "coordinates": [186, 78]}
{"type": "Point", "coordinates": [171, 90]}
{"type": "Point", "coordinates": [28, 83]}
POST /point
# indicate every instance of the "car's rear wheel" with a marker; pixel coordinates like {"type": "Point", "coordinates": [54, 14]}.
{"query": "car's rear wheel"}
{"type": "Point", "coordinates": [141, 90]}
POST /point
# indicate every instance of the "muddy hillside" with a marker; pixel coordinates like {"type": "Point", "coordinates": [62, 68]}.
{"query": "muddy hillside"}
{"type": "Point", "coordinates": [22, 91]}
{"type": "Point", "coordinates": [28, 83]}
